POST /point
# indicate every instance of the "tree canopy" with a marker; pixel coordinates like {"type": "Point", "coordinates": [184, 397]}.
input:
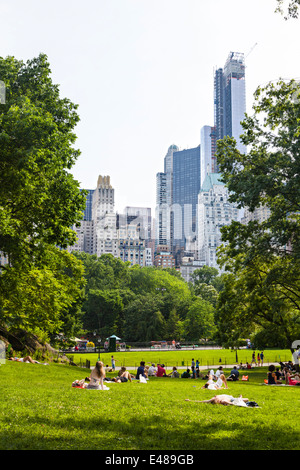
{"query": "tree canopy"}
{"type": "Point", "coordinates": [39, 198]}
{"type": "Point", "coordinates": [263, 254]}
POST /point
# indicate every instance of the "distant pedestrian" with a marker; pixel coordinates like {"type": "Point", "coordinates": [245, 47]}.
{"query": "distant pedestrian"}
{"type": "Point", "coordinates": [113, 363]}
{"type": "Point", "coordinates": [262, 358]}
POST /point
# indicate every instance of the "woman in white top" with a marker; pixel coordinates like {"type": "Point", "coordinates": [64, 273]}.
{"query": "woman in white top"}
{"type": "Point", "coordinates": [97, 376]}
{"type": "Point", "coordinates": [211, 385]}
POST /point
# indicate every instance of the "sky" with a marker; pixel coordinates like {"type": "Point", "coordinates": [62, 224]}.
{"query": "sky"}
{"type": "Point", "coordinates": [142, 73]}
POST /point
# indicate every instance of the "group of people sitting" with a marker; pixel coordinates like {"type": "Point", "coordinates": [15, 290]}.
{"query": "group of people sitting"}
{"type": "Point", "coordinates": [285, 375]}
{"type": "Point", "coordinates": [215, 380]}
{"type": "Point", "coordinates": [153, 371]}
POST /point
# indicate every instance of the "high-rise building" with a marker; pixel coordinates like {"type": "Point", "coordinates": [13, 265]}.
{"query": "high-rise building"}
{"type": "Point", "coordinates": [85, 232]}
{"type": "Point", "coordinates": [104, 218]}
{"type": "Point", "coordinates": [161, 210]}
{"type": "Point", "coordinates": [103, 231]}
{"type": "Point", "coordinates": [88, 205]}
{"type": "Point", "coordinates": [186, 186]}
{"type": "Point", "coordinates": [168, 169]}
{"type": "Point", "coordinates": [140, 216]}
{"type": "Point", "coordinates": [230, 99]}
{"type": "Point", "coordinates": [214, 211]}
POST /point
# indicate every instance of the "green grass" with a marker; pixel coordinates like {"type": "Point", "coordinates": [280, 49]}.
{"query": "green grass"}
{"type": "Point", "coordinates": [39, 410]}
{"type": "Point", "coordinates": [206, 357]}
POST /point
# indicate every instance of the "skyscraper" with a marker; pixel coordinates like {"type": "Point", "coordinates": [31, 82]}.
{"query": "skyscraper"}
{"type": "Point", "coordinates": [186, 186]}
{"type": "Point", "coordinates": [161, 210]}
{"type": "Point", "coordinates": [164, 201]}
{"type": "Point", "coordinates": [214, 211]}
{"type": "Point", "coordinates": [230, 99]}
{"type": "Point", "coordinates": [104, 218]}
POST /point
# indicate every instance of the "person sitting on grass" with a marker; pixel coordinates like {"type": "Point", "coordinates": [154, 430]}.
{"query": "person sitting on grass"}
{"type": "Point", "coordinates": [97, 376]}
{"type": "Point", "coordinates": [220, 383]}
{"type": "Point", "coordinates": [95, 379]}
{"type": "Point", "coordinates": [174, 374]}
{"type": "Point", "coordinates": [141, 370]}
{"type": "Point", "coordinates": [224, 400]}
{"type": "Point", "coordinates": [123, 376]}
{"type": "Point", "coordinates": [161, 371]}
{"type": "Point", "coordinates": [152, 370]}
{"type": "Point", "coordinates": [234, 374]}
{"type": "Point", "coordinates": [272, 379]}
{"type": "Point", "coordinates": [292, 379]}
{"type": "Point", "coordinates": [186, 374]}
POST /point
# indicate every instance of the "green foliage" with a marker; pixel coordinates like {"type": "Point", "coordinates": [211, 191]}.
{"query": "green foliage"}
{"type": "Point", "coordinates": [292, 8]}
{"type": "Point", "coordinates": [39, 199]}
{"type": "Point", "coordinates": [199, 323]}
{"type": "Point", "coordinates": [133, 302]}
{"type": "Point", "coordinates": [263, 256]}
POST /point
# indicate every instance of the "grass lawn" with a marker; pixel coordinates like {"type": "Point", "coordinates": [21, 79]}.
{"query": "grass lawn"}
{"type": "Point", "coordinates": [39, 410]}
{"type": "Point", "coordinates": [206, 357]}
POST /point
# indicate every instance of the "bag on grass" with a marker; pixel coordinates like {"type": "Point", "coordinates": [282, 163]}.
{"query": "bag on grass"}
{"type": "Point", "coordinates": [142, 379]}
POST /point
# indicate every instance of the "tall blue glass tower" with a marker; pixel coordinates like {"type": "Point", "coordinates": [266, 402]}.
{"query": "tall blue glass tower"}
{"type": "Point", "coordinates": [186, 186]}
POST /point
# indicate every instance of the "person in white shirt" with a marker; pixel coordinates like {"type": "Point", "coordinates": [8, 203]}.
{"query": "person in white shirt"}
{"type": "Point", "coordinates": [152, 370]}
{"type": "Point", "coordinates": [219, 372]}
{"type": "Point", "coordinates": [220, 383]}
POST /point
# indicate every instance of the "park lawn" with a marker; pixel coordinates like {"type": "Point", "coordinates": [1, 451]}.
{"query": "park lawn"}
{"type": "Point", "coordinates": [207, 357]}
{"type": "Point", "coordinates": [39, 410]}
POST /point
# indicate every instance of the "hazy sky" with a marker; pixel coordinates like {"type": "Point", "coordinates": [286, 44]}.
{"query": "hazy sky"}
{"type": "Point", "coordinates": [142, 73]}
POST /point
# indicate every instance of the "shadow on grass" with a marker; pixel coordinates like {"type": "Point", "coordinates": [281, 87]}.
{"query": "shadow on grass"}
{"type": "Point", "coordinates": [208, 432]}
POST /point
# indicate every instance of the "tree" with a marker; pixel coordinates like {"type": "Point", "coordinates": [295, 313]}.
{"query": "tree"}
{"type": "Point", "coordinates": [173, 291]}
{"type": "Point", "coordinates": [39, 199]}
{"type": "Point", "coordinates": [264, 255]}
{"type": "Point", "coordinates": [268, 175]}
{"type": "Point", "coordinates": [199, 322]}
{"type": "Point", "coordinates": [143, 319]}
{"type": "Point", "coordinates": [103, 309]}
{"type": "Point", "coordinates": [39, 298]}
{"type": "Point", "coordinates": [292, 8]}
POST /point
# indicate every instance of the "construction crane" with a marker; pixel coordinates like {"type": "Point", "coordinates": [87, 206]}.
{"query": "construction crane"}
{"type": "Point", "coordinates": [251, 50]}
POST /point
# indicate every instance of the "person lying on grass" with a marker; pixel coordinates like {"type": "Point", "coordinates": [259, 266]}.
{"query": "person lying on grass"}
{"type": "Point", "coordinates": [27, 359]}
{"type": "Point", "coordinates": [220, 383]}
{"type": "Point", "coordinates": [224, 400]}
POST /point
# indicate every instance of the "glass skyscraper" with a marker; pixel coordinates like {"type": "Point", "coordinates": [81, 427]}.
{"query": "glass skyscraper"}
{"type": "Point", "coordinates": [230, 98]}
{"type": "Point", "coordinates": [186, 186]}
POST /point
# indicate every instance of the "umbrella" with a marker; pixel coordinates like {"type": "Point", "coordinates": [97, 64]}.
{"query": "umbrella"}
{"type": "Point", "coordinates": [113, 336]}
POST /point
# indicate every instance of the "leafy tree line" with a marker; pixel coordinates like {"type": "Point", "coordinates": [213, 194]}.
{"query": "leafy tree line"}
{"type": "Point", "coordinates": [142, 304]}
